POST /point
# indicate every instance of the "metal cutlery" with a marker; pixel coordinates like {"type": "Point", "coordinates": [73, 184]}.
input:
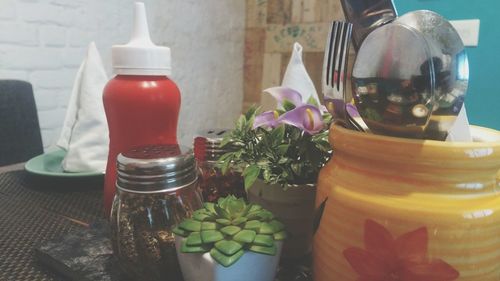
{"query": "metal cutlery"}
{"type": "Point", "coordinates": [335, 73]}
{"type": "Point", "coordinates": [367, 15]}
{"type": "Point", "coordinates": [451, 68]}
{"type": "Point", "coordinates": [393, 81]}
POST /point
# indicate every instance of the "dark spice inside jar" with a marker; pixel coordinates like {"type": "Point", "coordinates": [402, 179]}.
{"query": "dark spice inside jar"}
{"type": "Point", "coordinates": [214, 184]}
{"type": "Point", "coordinates": [141, 233]}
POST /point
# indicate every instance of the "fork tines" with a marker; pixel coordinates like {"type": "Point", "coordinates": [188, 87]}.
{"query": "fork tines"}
{"type": "Point", "coordinates": [335, 61]}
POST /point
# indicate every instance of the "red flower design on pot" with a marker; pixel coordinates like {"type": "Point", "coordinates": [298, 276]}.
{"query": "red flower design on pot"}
{"type": "Point", "coordinates": [402, 259]}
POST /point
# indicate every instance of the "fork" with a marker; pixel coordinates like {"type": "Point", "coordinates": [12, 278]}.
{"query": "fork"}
{"type": "Point", "coordinates": [335, 73]}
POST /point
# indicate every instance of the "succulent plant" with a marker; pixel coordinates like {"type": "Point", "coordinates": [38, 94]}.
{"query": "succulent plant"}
{"type": "Point", "coordinates": [229, 228]}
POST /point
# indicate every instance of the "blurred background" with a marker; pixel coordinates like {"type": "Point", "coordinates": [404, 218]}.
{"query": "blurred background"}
{"type": "Point", "coordinates": [224, 52]}
{"type": "Point", "coordinates": [44, 42]}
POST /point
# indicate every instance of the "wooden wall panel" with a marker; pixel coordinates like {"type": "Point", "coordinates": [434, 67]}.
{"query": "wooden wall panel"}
{"type": "Point", "coordinates": [272, 26]}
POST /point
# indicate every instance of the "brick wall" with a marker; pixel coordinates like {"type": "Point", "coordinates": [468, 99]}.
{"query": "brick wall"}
{"type": "Point", "coordinates": [44, 41]}
{"type": "Point", "coordinates": [272, 26]}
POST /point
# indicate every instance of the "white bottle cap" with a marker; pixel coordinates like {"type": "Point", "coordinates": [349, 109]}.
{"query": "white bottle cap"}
{"type": "Point", "coordinates": [140, 56]}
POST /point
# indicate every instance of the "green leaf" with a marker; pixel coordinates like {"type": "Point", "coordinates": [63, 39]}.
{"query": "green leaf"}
{"type": "Point", "coordinates": [200, 216]}
{"type": "Point", "coordinates": [252, 111]}
{"type": "Point", "coordinates": [222, 213]}
{"type": "Point", "coordinates": [277, 135]}
{"type": "Point", "coordinates": [266, 215]}
{"type": "Point", "coordinates": [207, 225]}
{"type": "Point", "coordinates": [210, 207]}
{"type": "Point", "coordinates": [235, 206]}
{"type": "Point", "coordinates": [211, 236]}
{"type": "Point", "coordinates": [253, 225]}
{"type": "Point", "coordinates": [228, 247]}
{"type": "Point", "coordinates": [230, 230]}
{"type": "Point", "coordinates": [194, 239]}
{"type": "Point", "coordinates": [279, 236]}
{"type": "Point", "coordinates": [264, 240]}
{"type": "Point", "coordinates": [241, 123]}
{"type": "Point", "coordinates": [255, 215]}
{"type": "Point", "coordinates": [283, 148]}
{"type": "Point", "coordinates": [255, 207]}
{"type": "Point", "coordinates": [225, 260]}
{"type": "Point", "coordinates": [245, 236]}
{"type": "Point", "coordinates": [250, 174]}
{"type": "Point", "coordinates": [287, 105]}
{"type": "Point", "coordinates": [225, 164]}
{"type": "Point", "coordinates": [312, 101]}
{"type": "Point", "coordinates": [181, 232]}
{"type": "Point", "coordinates": [193, 249]}
{"type": "Point", "coordinates": [266, 228]}
{"type": "Point", "coordinates": [264, 250]}
{"type": "Point", "coordinates": [277, 226]}
{"type": "Point", "coordinates": [223, 221]}
{"type": "Point", "coordinates": [190, 225]}
{"type": "Point", "coordinates": [239, 221]}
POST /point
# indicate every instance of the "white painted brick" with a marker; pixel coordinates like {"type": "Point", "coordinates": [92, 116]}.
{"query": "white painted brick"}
{"type": "Point", "coordinates": [52, 64]}
{"type": "Point", "coordinates": [63, 98]}
{"type": "Point", "coordinates": [7, 9]}
{"type": "Point", "coordinates": [73, 57]}
{"type": "Point", "coordinates": [51, 119]}
{"type": "Point", "coordinates": [46, 99]}
{"type": "Point", "coordinates": [46, 13]}
{"type": "Point", "coordinates": [18, 33]}
{"type": "Point", "coordinates": [68, 3]}
{"type": "Point", "coordinates": [26, 58]}
{"type": "Point", "coordinates": [79, 38]}
{"type": "Point", "coordinates": [49, 137]}
{"type": "Point", "coordinates": [53, 36]}
{"type": "Point", "coordinates": [13, 74]}
{"type": "Point", "coordinates": [61, 78]}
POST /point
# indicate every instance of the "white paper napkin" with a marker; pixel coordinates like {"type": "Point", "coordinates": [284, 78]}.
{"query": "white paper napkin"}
{"type": "Point", "coordinates": [296, 76]}
{"type": "Point", "coordinates": [460, 131]}
{"type": "Point", "coordinates": [85, 131]}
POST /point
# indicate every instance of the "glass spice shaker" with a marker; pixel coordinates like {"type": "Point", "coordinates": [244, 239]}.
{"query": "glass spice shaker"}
{"type": "Point", "coordinates": [213, 183]}
{"type": "Point", "coordinates": [156, 188]}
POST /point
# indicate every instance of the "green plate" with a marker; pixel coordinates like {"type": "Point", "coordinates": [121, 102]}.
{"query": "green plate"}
{"type": "Point", "coordinates": [50, 164]}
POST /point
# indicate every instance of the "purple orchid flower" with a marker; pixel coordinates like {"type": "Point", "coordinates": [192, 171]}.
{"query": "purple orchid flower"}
{"type": "Point", "coordinates": [305, 117]}
{"type": "Point", "coordinates": [284, 93]}
{"type": "Point", "coordinates": [352, 110]}
{"type": "Point", "coordinates": [266, 119]}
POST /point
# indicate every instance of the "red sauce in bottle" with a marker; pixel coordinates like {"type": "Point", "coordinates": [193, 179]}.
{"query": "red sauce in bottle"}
{"type": "Point", "coordinates": [140, 110]}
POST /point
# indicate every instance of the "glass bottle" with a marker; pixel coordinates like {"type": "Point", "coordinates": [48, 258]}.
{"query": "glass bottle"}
{"type": "Point", "coordinates": [141, 102]}
{"type": "Point", "coordinates": [213, 183]}
{"type": "Point", "coordinates": [156, 188]}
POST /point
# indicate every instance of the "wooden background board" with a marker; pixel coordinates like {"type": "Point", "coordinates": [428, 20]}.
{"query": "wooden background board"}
{"type": "Point", "coordinates": [272, 26]}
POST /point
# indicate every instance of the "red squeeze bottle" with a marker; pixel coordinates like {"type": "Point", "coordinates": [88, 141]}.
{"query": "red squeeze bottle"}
{"type": "Point", "coordinates": [141, 102]}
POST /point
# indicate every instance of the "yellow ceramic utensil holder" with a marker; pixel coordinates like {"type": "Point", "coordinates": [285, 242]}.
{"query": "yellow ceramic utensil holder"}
{"type": "Point", "coordinates": [409, 210]}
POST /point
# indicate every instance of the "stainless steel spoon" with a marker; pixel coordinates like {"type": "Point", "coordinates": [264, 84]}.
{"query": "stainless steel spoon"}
{"type": "Point", "coordinates": [393, 81]}
{"type": "Point", "coordinates": [451, 68]}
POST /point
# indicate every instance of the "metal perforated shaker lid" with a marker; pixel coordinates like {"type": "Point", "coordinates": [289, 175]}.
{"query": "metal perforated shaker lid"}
{"type": "Point", "coordinates": [207, 144]}
{"type": "Point", "coordinates": [154, 168]}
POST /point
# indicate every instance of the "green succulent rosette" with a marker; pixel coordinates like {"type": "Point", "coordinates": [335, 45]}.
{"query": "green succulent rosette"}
{"type": "Point", "coordinates": [229, 228]}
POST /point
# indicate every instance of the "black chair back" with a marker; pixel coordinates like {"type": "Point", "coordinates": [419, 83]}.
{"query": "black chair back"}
{"type": "Point", "coordinates": [20, 137]}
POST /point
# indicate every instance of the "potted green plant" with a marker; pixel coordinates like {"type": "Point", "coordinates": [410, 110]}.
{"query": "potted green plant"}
{"type": "Point", "coordinates": [280, 153]}
{"type": "Point", "coordinates": [228, 241]}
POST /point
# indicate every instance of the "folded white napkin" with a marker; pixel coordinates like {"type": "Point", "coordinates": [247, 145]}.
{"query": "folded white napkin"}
{"type": "Point", "coordinates": [296, 76]}
{"type": "Point", "coordinates": [460, 131]}
{"type": "Point", "coordinates": [85, 131]}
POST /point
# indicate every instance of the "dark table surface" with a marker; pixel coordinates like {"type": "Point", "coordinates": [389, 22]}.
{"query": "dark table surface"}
{"type": "Point", "coordinates": [34, 210]}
